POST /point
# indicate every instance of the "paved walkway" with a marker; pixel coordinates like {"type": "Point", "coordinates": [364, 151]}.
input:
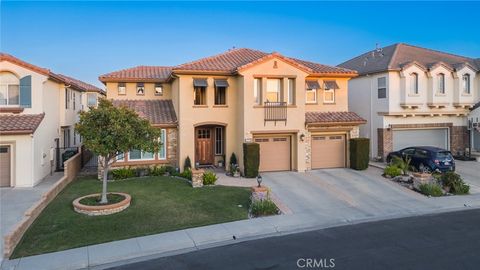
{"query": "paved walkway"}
{"type": "Point", "coordinates": [15, 201]}
{"type": "Point", "coordinates": [318, 199]}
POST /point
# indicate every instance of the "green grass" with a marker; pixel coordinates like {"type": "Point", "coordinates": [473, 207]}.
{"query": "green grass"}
{"type": "Point", "coordinates": [112, 199]}
{"type": "Point", "coordinates": [159, 204]}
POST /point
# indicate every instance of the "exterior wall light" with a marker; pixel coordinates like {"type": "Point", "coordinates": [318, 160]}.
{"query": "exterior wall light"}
{"type": "Point", "coordinates": [259, 180]}
{"type": "Point", "coordinates": [302, 137]}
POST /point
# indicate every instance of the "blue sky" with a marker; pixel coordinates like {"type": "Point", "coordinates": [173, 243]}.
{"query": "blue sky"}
{"type": "Point", "coordinates": [86, 39]}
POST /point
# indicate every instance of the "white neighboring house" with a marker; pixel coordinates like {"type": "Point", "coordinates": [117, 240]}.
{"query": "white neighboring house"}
{"type": "Point", "coordinates": [38, 111]}
{"type": "Point", "coordinates": [474, 122]}
{"type": "Point", "coordinates": [413, 96]}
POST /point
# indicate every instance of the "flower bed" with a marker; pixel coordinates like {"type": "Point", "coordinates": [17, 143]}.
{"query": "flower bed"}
{"type": "Point", "coordinates": [90, 205]}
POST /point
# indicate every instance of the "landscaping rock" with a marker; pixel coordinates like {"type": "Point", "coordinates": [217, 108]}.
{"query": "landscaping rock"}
{"type": "Point", "coordinates": [197, 178]}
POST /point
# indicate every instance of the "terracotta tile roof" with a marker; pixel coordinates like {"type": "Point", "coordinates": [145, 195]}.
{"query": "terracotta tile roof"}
{"type": "Point", "coordinates": [333, 117]}
{"type": "Point", "coordinates": [20, 124]}
{"type": "Point", "coordinates": [398, 56]}
{"type": "Point", "coordinates": [144, 73]}
{"type": "Point", "coordinates": [79, 84]}
{"type": "Point", "coordinates": [82, 86]}
{"type": "Point", "coordinates": [158, 112]}
{"type": "Point", "coordinates": [229, 62]}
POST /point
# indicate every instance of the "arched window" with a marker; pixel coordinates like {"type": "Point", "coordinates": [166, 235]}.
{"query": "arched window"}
{"type": "Point", "coordinates": [441, 83]}
{"type": "Point", "coordinates": [414, 83]}
{"type": "Point", "coordinates": [9, 89]}
{"type": "Point", "coordinates": [466, 83]}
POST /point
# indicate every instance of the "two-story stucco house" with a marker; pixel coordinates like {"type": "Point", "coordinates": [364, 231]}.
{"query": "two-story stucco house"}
{"type": "Point", "coordinates": [296, 110]}
{"type": "Point", "coordinates": [413, 96]}
{"type": "Point", "coordinates": [38, 111]}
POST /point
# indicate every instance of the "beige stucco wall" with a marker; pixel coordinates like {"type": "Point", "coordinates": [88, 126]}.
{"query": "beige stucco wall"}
{"type": "Point", "coordinates": [22, 154]}
{"type": "Point", "coordinates": [131, 91]}
{"type": "Point", "coordinates": [341, 96]}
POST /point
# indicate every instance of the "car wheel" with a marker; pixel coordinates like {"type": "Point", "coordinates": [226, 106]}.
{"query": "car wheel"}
{"type": "Point", "coordinates": [424, 169]}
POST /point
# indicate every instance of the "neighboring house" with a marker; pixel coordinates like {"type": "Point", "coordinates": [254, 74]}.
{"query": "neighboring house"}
{"type": "Point", "coordinates": [38, 110]}
{"type": "Point", "coordinates": [474, 124]}
{"type": "Point", "coordinates": [296, 110]}
{"type": "Point", "coordinates": [413, 96]}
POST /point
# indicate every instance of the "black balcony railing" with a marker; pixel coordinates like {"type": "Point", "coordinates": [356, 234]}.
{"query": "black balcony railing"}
{"type": "Point", "coordinates": [275, 112]}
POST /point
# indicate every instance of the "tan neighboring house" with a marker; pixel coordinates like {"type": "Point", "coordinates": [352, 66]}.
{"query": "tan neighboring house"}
{"type": "Point", "coordinates": [296, 110]}
{"type": "Point", "coordinates": [38, 110]}
{"type": "Point", "coordinates": [413, 96]}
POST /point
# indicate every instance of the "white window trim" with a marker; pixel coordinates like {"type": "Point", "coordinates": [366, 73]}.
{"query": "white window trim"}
{"type": "Point", "coordinates": [315, 95]}
{"type": "Point", "coordinates": [88, 99]}
{"type": "Point", "coordinates": [124, 87]}
{"type": "Point", "coordinates": [122, 159]}
{"type": "Point", "coordinates": [381, 87]}
{"type": "Point", "coordinates": [467, 87]}
{"type": "Point", "coordinates": [441, 81]}
{"type": "Point", "coordinates": [257, 90]}
{"type": "Point", "coordinates": [164, 132]}
{"type": "Point", "coordinates": [291, 92]}
{"type": "Point", "coordinates": [328, 91]}
{"type": "Point", "coordinates": [8, 95]}
{"type": "Point", "coordinates": [414, 84]}
{"type": "Point", "coordinates": [158, 86]}
{"type": "Point", "coordinates": [141, 157]}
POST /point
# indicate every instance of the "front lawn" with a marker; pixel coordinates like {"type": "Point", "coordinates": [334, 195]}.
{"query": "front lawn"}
{"type": "Point", "coordinates": [159, 204]}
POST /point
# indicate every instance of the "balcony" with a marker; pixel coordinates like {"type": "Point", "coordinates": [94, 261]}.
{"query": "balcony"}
{"type": "Point", "coordinates": [275, 112]}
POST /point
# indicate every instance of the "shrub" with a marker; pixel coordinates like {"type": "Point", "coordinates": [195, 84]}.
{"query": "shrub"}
{"type": "Point", "coordinates": [392, 171]}
{"type": "Point", "coordinates": [123, 173]}
{"type": "Point", "coordinates": [265, 207]}
{"type": "Point", "coordinates": [402, 164]}
{"type": "Point", "coordinates": [186, 174]}
{"type": "Point", "coordinates": [141, 171]}
{"type": "Point", "coordinates": [431, 189]}
{"type": "Point", "coordinates": [209, 178]}
{"type": "Point", "coordinates": [251, 159]}
{"type": "Point", "coordinates": [171, 170]}
{"type": "Point", "coordinates": [157, 171]}
{"type": "Point", "coordinates": [188, 164]}
{"type": "Point", "coordinates": [359, 153]}
{"type": "Point", "coordinates": [455, 182]}
{"type": "Point", "coordinates": [233, 159]}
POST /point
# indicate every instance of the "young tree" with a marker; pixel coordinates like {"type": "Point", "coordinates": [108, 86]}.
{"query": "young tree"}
{"type": "Point", "coordinates": [108, 130]}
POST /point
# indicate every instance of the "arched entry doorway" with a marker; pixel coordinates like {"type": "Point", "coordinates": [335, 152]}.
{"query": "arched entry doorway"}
{"type": "Point", "coordinates": [209, 144]}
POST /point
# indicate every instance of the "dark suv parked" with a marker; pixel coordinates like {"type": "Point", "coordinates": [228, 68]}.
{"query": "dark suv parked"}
{"type": "Point", "coordinates": [426, 158]}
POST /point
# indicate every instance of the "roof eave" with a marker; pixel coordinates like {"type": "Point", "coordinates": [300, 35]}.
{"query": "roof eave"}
{"type": "Point", "coordinates": [202, 72]}
{"type": "Point", "coordinates": [342, 123]}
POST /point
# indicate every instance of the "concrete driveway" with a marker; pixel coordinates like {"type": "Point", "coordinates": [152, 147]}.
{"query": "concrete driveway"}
{"type": "Point", "coordinates": [353, 195]}
{"type": "Point", "coordinates": [470, 172]}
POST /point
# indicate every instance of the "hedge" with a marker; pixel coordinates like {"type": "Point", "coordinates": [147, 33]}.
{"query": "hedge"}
{"type": "Point", "coordinates": [251, 159]}
{"type": "Point", "coordinates": [359, 153]}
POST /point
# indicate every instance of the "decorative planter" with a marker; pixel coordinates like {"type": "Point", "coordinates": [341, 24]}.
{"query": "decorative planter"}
{"type": "Point", "coordinates": [101, 210]}
{"type": "Point", "coordinates": [259, 193]}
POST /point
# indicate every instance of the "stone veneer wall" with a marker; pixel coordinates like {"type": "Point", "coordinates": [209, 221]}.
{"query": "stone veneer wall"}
{"type": "Point", "coordinates": [353, 132]}
{"type": "Point", "coordinates": [172, 155]}
{"type": "Point", "coordinates": [458, 137]}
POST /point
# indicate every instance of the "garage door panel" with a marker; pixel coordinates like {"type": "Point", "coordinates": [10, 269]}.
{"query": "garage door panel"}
{"type": "Point", "coordinates": [328, 151]}
{"type": "Point", "coordinates": [420, 137]}
{"type": "Point", "coordinates": [275, 154]}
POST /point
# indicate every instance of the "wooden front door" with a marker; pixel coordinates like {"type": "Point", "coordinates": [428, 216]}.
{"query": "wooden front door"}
{"type": "Point", "coordinates": [204, 146]}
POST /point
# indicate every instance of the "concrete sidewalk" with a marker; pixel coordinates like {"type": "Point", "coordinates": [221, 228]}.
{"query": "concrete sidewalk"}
{"type": "Point", "coordinates": [177, 242]}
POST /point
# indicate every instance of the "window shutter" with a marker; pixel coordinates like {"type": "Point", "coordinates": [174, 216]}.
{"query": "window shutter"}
{"type": "Point", "coordinates": [26, 92]}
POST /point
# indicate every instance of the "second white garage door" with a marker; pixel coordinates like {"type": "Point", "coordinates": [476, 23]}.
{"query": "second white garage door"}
{"type": "Point", "coordinates": [275, 154]}
{"type": "Point", "coordinates": [403, 138]}
{"type": "Point", "coordinates": [328, 151]}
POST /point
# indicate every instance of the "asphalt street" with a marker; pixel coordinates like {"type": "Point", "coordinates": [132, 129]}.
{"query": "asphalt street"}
{"type": "Point", "coordinates": [441, 241]}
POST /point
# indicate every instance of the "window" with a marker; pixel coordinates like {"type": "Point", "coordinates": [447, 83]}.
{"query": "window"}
{"type": "Point", "coordinates": [291, 92]}
{"type": "Point", "coordinates": [414, 83]}
{"type": "Point", "coordinates": [328, 94]}
{"type": "Point", "coordinates": [218, 141]}
{"type": "Point", "coordinates": [67, 98]}
{"type": "Point", "coordinates": [200, 94]}
{"type": "Point", "coordinates": [273, 90]}
{"type": "Point", "coordinates": [158, 89]}
{"type": "Point", "coordinates": [122, 88]}
{"type": "Point", "coordinates": [66, 138]}
{"type": "Point", "coordinates": [120, 156]}
{"type": "Point", "coordinates": [91, 99]}
{"type": "Point", "coordinates": [441, 83]}
{"type": "Point", "coordinates": [74, 137]}
{"type": "Point", "coordinates": [311, 96]}
{"type": "Point", "coordinates": [220, 95]}
{"type": "Point", "coordinates": [140, 89]}
{"type": "Point", "coordinates": [139, 155]}
{"type": "Point", "coordinates": [9, 94]}
{"type": "Point", "coordinates": [382, 87]}
{"type": "Point", "coordinates": [257, 90]}
{"type": "Point", "coordinates": [74, 101]}
{"type": "Point", "coordinates": [162, 153]}
{"type": "Point", "coordinates": [466, 83]}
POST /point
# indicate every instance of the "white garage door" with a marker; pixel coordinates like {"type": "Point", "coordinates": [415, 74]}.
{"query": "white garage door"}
{"type": "Point", "coordinates": [420, 137]}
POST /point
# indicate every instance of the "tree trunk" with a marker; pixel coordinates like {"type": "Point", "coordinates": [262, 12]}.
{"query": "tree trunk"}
{"type": "Point", "coordinates": [104, 199]}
